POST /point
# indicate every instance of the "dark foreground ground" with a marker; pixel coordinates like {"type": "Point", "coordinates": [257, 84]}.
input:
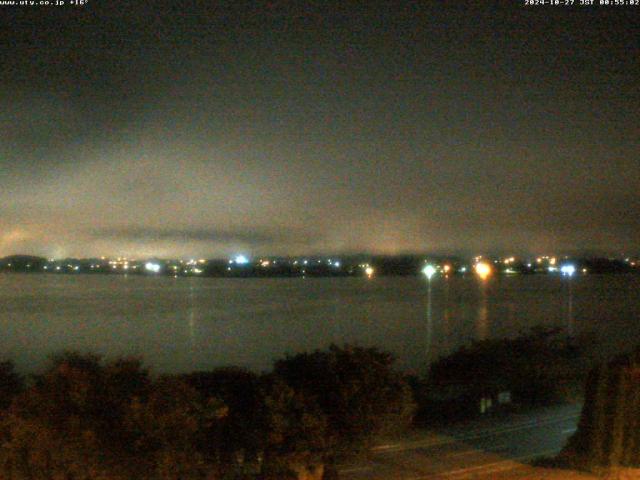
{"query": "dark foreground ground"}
{"type": "Point", "coordinates": [501, 446]}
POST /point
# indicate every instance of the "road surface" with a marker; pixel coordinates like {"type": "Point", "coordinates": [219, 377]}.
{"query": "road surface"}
{"type": "Point", "coordinates": [492, 447]}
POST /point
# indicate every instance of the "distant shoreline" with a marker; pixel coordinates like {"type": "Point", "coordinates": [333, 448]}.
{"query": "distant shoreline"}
{"type": "Point", "coordinates": [334, 266]}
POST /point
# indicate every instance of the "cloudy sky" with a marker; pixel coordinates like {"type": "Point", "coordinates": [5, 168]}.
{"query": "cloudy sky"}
{"type": "Point", "coordinates": [208, 129]}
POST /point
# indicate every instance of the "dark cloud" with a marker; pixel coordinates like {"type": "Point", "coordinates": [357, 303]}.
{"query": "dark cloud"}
{"type": "Point", "coordinates": [332, 128]}
{"type": "Point", "coordinates": [252, 237]}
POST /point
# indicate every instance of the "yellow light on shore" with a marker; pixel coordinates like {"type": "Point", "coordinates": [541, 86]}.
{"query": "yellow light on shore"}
{"type": "Point", "coordinates": [483, 270]}
{"type": "Point", "coordinates": [369, 271]}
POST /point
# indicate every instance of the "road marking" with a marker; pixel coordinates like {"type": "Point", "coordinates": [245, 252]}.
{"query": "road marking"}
{"type": "Point", "coordinates": [355, 469]}
{"type": "Point", "coordinates": [510, 428]}
{"type": "Point", "coordinates": [502, 465]}
{"type": "Point", "coordinates": [417, 444]}
{"type": "Point", "coordinates": [461, 454]}
{"type": "Point", "coordinates": [436, 439]}
{"type": "Point", "coordinates": [384, 447]}
{"type": "Point", "coordinates": [493, 450]}
{"type": "Point", "coordinates": [449, 439]}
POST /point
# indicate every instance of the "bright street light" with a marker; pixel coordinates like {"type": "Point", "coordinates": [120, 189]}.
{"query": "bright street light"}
{"type": "Point", "coordinates": [429, 271]}
{"type": "Point", "coordinates": [483, 270]}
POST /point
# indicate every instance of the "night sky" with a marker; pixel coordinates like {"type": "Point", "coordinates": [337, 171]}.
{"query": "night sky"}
{"type": "Point", "coordinates": [200, 130]}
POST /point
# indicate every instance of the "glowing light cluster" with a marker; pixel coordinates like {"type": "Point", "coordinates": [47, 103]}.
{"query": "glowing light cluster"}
{"type": "Point", "coordinates": [241, 260]}
{"type": "Point", "coordinates": [152, 267]}
{"type": "Point", "coordinates": [568, 270]}
{"type": "Point", "coordinates": [429, 271]}
{"type": "Point", "coordinates": [483, 270]}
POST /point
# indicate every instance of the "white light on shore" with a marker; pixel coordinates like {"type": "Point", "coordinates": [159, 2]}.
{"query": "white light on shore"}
{"type": "Point", "coordinates": [241, 260]}
{"type": "Point", "coordinates": [152, 267]}
{"type": "Point", "coordinates": [429, 271]}
{"type": "Point", "coordinates": [568, 270]}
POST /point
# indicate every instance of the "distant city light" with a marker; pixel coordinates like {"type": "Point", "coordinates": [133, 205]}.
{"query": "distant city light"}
{"type": "Point", "coordinates": [446, 268]}
{"type": "Point", "coordinates": [369, 271]}
{"type": "Point", "coordinates": [568, 270]}
{"type": "Point", "coordinates": [336, 264]}
{"type": "Point", "coordinates": [483, 270]}
{"type": "Point", "coordinates": [429, 271]}
{"type": "Point", "coordinates": [241, 260]}
{"type": "Point", "coordinates": [152, 267]}
{"type": "Point", "coordinates": [463, 269]}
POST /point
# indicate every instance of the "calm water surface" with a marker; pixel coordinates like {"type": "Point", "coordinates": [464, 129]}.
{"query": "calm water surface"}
{"type": "Point", "coordinates": [186, 324]}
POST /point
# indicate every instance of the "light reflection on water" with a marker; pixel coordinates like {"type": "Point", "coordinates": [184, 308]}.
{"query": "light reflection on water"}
{"type": "Point", "coordinates": [197, 323]}
{"type": "Point", "coordinates": [429, 337]}
{"type": "Point", "coordinates": [482, 320]}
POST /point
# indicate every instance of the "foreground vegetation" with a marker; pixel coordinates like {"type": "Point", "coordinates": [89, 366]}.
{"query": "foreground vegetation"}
{"type": "Point", "coordinates": [85, 418]}
{"type": "Point", "coordinates": [540, 367]}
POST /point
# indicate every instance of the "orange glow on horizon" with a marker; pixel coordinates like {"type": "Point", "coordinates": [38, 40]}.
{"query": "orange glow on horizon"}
{"type": "Point", "coordinates": [483, 270]}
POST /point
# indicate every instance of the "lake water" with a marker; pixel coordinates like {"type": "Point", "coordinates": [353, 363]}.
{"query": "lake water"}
{"type": "Point", "coordinates": [185, 324]}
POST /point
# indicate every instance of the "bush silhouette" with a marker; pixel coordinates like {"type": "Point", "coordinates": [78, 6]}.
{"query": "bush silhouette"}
{"type": "Point", "coordinates": [356, 388]}
{"type": "Point", "coordinates": [83, 419]}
